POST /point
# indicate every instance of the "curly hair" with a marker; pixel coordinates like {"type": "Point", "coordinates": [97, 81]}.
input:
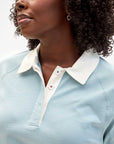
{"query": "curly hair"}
{"type": "Point", "coordinates": [92, 25]}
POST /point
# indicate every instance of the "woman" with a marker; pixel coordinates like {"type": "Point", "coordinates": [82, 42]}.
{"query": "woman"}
{"type": "Point", "coordinates": [60, 91]}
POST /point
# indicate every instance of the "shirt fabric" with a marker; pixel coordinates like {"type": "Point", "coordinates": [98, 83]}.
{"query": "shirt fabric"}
{"type": "Point", "coordinates": [76, 106]}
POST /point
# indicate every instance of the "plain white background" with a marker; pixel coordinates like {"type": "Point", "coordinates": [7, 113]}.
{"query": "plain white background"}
{"type": "Point", "coordinates": [11, 44]}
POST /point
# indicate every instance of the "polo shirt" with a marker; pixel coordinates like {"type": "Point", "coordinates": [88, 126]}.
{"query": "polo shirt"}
{"type": "Point", "coordinates": [76, 106]}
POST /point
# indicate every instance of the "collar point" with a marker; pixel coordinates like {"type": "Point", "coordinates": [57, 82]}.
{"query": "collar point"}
{"type": "Point", "coordinates": [82, 82]}
{"type": "Point", "coordinates": [22, 70]}
{"type": "Point", "coordinates": [19, 72]}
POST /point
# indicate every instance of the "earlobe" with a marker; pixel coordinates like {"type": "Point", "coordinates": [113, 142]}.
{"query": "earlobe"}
{"type": "Point", "coordinates": [68, 15]}
{"type": "Point", "coordinates": [67, 11]}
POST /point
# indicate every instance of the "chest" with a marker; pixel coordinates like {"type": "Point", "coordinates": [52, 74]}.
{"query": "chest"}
{"type": "Point", "coordinates": [70, 117]}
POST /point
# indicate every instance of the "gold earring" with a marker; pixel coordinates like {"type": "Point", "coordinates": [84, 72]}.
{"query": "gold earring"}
{"type": "Point", "coordinates": [69, 17]}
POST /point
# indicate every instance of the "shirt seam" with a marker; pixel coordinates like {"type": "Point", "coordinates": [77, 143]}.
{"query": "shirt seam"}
{"type": "Point", "coordinates": [107, 106]}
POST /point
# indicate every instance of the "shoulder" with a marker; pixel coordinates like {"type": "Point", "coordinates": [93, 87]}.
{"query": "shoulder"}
{"type": "Point", "coordinates": [12, 62]}
{"type": "Point", "coordinates": [104, 74]}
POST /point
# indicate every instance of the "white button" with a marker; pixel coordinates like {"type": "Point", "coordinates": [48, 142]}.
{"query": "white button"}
{"type": "Point", "coordinates": [51, 87]}
{"type": "Point", "coordinates": [57, 71]}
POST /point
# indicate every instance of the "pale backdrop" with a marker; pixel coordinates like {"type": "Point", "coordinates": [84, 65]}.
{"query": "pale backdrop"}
{"type": "Point", "coordinates": [11, 44]}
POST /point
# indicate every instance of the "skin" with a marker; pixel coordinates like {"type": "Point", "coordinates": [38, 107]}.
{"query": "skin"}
{"type": "Point", "coordinates": [50, 26]}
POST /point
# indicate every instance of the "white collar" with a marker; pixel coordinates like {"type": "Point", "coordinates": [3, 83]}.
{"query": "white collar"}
{"type": "Point", "coordinates": [80, 71]}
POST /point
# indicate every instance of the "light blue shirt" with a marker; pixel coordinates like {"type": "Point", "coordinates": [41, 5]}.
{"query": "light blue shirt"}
{"type": "Point", "coordinates": [76, 106]}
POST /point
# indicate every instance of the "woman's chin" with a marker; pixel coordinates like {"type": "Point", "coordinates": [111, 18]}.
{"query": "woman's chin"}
{"type": "Point", "coordinates": [28, 35]}
{"type": "Point", "coordinates": [32, 34]}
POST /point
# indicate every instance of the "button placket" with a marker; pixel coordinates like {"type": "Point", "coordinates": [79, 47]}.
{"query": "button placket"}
{"type": "Point", "coordinates": [35, 114]}
{"type": "Point", "coordinates": [50, 89]}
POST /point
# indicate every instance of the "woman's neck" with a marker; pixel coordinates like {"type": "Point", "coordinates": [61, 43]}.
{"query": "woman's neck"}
{"type": "Point", "coordinates": [58, 48]}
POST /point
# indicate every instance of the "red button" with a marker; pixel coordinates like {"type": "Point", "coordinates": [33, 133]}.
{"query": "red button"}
{"type": "Point", "coordinates": [50, 87]}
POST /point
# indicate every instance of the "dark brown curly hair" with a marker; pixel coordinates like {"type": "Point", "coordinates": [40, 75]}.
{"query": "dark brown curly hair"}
{"type": "Point", "coordinates": [92, 25]}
